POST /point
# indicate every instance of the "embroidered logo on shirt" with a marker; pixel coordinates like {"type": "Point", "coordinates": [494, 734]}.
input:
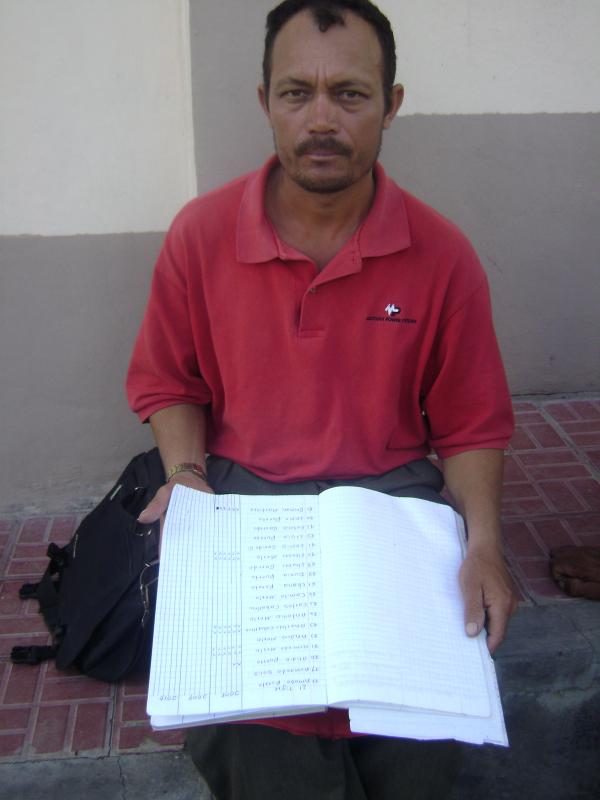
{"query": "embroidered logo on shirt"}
{"type": "Point", "coordinates": [392, 315]}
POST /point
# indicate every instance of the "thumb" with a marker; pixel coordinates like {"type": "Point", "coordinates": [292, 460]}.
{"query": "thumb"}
{"type": "Point", "coordinates": [157, 506]}
{"type": "Point", "coordinates": [474, 609]}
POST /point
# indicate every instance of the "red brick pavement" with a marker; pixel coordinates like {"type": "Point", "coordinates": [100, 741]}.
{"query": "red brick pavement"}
{"type": "Point", "coordinates": [552, 497]}
{"type": "Point", "coordinates": [552, 488]}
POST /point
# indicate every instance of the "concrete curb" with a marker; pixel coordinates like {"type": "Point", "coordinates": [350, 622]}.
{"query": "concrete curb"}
{"type": "Point", "coordinates": [145, 776]}
{"type": "Point", "coordinates": [549, 674]}
{"type": "Point", "coordinates": [551, 648]}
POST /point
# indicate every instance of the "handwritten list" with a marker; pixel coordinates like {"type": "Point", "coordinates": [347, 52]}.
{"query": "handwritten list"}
{"type": "Point", "coordinates": [281, 582]}
{"type": "Point", "coordinates": [239, 613]}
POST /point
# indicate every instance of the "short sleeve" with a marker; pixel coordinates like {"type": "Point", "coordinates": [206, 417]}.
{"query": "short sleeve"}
{"type": "Point", "coordinates": [164, 367]}
{"type": "Point", "coordinates": [467, 401]}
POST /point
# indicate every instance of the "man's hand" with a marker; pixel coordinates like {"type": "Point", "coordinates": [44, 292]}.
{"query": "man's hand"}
{"type": "Point", "coordinates": [487, 591]}
{"type": "Point", "coordinates": [180, 433]}
{"type": "Point", "coordinates": [157, 507]}
{"type": "Point", "coordinates": [474, 479]}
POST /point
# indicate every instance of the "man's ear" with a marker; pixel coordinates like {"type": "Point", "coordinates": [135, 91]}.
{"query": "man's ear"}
{"type": "Point", "coordinates": [263, 100]}
{"type": "Point", "coordinates": [397, 98]}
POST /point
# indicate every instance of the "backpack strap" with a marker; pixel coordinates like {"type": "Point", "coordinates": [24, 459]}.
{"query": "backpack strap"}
{"type": "Point", "coordinates": [46, 593]}
{"type": "Point", "coordinates": [48, 598]}
{"type": "Point", "coordinates": [59, 558]}
{"type": "Point", "coordinates": [47, 589]}
{"type": "Point", "coordinates": [28, 591]}
{"type": "Point", "coordinates": [34, 654]}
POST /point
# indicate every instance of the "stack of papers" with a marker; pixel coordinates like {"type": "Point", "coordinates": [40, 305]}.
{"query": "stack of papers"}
{"type": "Point", "coordinates": [281, 605]}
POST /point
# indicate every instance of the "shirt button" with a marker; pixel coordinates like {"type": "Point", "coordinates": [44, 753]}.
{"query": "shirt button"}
{"type": "Point", "coordinates": [312, 289]}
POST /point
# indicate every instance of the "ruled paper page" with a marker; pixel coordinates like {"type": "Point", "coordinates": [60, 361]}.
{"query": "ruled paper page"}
{"type": "Point", "coordinates": [428, 725]}
{"type": "Point", "coordinates": [197, 643]}
{"type": "Point", "coordinates": [393, 608]}
{"type": "Point", "coordinates": [238, 622]}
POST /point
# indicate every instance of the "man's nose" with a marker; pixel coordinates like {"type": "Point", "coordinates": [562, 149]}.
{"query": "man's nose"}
{"type": "Point", "coordinates": [323, 114]}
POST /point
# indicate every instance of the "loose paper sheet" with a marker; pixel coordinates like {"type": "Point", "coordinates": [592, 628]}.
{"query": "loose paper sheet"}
{"type": "Point", "coordinates": [413, 724]}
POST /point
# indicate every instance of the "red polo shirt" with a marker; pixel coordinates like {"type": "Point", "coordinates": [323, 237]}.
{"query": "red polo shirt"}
{"type": "Point", "coordinates": [388, 352]}
{"type": "Point", "coordinates": [327, 373]}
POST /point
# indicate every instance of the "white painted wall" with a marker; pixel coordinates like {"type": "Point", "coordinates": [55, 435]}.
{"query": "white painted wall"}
{"type": "Point", "coordinates": [497, 56]}
{"type": "Point", "coordinates": [95, 110]}
{"type": "Point", "coordinates": [95, 98]}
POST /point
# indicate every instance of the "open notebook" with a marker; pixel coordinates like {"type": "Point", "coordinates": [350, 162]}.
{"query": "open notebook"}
{"type": "Point", "coordinates": [275, 605]}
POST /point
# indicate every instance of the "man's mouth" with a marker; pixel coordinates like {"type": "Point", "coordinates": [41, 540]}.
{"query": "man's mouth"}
{"type": "Point", "coordinates": [322, 148]}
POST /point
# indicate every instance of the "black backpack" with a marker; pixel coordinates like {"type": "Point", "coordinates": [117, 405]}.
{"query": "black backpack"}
{"type": "Point", "coordinates": [98, 594]}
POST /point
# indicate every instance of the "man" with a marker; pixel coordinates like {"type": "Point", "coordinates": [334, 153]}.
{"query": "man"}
{"type": "Point", "coordinates": [313, 324]}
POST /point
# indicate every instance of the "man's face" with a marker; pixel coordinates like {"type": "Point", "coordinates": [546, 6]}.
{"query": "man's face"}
{"type": "Point", "coordinates": [326, 102]}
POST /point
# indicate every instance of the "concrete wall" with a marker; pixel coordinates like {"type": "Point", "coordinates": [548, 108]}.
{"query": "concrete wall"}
{"type": "Point", "coordinates": [96, 115]}
{"type": "Point", "coordinates": [500, 131]}
{"type": "Point", "coordinates": [96, 157]}
{"type": "Point", "coordinates": [113, 113]}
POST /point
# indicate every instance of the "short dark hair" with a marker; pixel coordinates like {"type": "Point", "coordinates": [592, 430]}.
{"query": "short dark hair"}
{"type": "Point", "coordinates": [331, 12]}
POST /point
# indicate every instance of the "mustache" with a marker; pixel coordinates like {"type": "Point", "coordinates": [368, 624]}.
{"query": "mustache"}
{"type": "Point", "coordinates": [322, 144]}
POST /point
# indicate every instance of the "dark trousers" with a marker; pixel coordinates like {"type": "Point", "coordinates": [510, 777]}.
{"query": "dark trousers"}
{"type": "Point", "coordinates": [255, 762]}
{"type": "Point", "coordinates": [416, 479]}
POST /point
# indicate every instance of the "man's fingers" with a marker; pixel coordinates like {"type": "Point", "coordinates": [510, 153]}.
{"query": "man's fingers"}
{"type": "Point", "coordinates": [474, 609]}
{"type": "Point", "coordinates": [497, 624]}
{"type": "Point", "coordinates": [486, 593]}
{"type": "Point", "coordinates": [156, 507]}
{"type": "Point", "coordinates": [499, 612]}
{"type": "Point", "coordinates": [151, 513]}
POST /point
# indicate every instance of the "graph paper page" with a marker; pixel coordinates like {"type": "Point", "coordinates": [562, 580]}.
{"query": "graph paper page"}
{"type": "Point", "coordinates": [238, 622]}
{"type": "Point", "coordinates": [393, 608]}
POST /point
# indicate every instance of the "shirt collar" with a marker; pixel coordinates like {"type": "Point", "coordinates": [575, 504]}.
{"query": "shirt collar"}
{"type": "Point", "coordinates": [385, 230]}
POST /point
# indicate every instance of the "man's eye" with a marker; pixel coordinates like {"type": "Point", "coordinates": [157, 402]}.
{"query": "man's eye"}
{"type": "Point", "coordinates": [350, 94]}
{"type": "Point", "coordinates": [295, 94]}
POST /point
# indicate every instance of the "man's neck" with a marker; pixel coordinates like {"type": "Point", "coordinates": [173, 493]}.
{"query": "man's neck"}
{"type": "Point", "coordinates": [316, 224]}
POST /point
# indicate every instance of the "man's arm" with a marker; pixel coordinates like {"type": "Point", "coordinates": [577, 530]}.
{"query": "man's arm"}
{"type": "Point", "coordinates": [474, 479]}
{"type": "Point", "coordinates": [180, 433]}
